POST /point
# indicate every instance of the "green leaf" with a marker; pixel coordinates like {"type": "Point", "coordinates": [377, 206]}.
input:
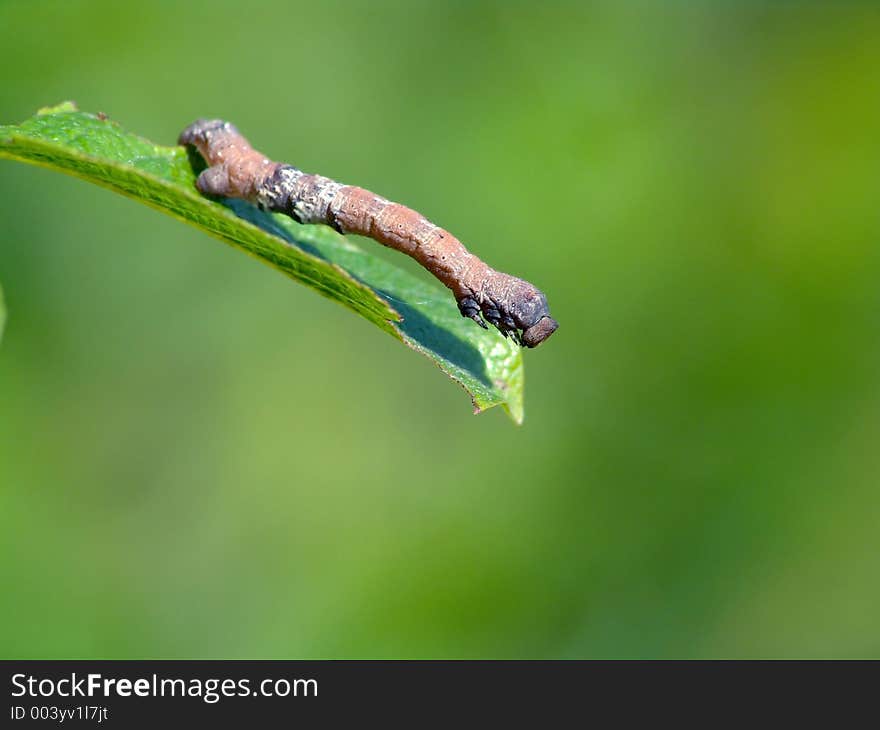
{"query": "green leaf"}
{"type": "Point", "coordinates": [421, 315]}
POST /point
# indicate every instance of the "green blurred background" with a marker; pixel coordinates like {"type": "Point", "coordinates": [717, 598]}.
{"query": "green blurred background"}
{"type": "Point", "coordinates": [200, 458]}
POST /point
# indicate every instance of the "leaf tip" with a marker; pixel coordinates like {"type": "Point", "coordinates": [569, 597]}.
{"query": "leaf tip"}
{"type": "Point", "coordinates": [513, 407]}
{"type": "Point", "coordinates": [515, 411]}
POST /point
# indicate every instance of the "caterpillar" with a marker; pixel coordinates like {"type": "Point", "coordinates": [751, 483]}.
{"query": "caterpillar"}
{"type": "Point", "coordinates": [515, 307]}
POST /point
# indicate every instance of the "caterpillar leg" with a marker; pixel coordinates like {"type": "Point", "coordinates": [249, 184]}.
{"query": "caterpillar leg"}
{"type": "Point", "coordinates": [517, 309]}
{"type": "Point", "coordinates": [469, 308]}
{"type": "Point", "coordinates": [214, 180]}
{"type": "Point", "coordinates": [235, 169]}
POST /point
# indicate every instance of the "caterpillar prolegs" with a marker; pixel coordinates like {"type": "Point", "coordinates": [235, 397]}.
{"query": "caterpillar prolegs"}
{"type": "Point", "coordinates": [236, 170]}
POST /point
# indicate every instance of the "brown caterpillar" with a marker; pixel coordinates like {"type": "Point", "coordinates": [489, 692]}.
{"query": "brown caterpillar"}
{"type": "Point", "coordinates": [236, 170]}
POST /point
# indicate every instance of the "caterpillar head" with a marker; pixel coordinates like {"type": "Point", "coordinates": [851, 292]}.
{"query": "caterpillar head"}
{"type": "Point", "coordinates": [531, 316]}
{"type": "Point", "coordinates": [516, 308]}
